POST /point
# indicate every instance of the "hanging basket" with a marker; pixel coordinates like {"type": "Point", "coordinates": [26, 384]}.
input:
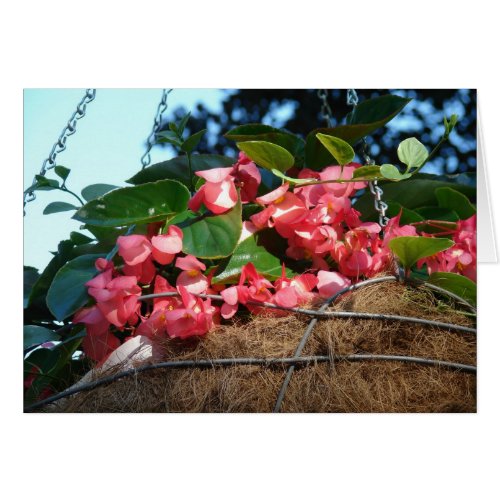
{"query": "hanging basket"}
{"type": "Point", "coordinates": [366, 362]}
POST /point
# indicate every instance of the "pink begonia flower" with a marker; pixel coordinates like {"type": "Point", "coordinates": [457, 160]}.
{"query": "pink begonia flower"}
{"type": "Point", "coordinates": [103, 264]}
{"type": "Point", "coordinates": [95, 322]}
{"type": "Point", "coordinates": [163, 286]}
{"type": "Point", "coordinates": [144, 272]}
{"type": "Point", "coordinates": [155, 326]}
{"type": "Point", "coordinates": [100, 347]}
{"type": "Point", "coordinates": [283, 207]}
{"type": "Point", "coordinates": [166, 246]}
{"type": "Point", "coordinates": [134, 248]}
{"type": "Point", "coordinates": [329, 283]}
{"type": "Point", "coordinates": [218, 193]}
{"type": "Point", "coordinates": [336, 172]}
{"type": "Point", "coordinates": [116, 298]}
{"type": "Point", "coordinates": [192, 277]}
{"type": "Point", "coordinates": [247, 176]}
{"type": "Point", "coordinates": [301, 287]}
{"type": "Point", "coordinates": [356, 263]}
{"type": "Point", "coordinates": [195, 318]}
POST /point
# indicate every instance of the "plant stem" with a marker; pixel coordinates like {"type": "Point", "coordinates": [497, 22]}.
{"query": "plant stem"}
{"type": "Point", "coordinates": [66, 190]}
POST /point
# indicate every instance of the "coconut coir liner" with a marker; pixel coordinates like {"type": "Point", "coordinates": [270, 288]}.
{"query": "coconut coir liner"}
{"type": "Point", "coordinates": [343, 386]}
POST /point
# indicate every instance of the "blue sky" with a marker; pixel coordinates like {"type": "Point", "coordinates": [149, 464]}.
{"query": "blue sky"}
{"type": "Point", "coordinates": [106, 148]}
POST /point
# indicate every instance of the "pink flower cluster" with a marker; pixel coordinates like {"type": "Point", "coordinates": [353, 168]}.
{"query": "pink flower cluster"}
{"type": "Point", "coordinates": [321, 225]}
{"type": "Point", "coordinates": [461, 258]}
{"type": "Point", "coordinates": [318, 222]}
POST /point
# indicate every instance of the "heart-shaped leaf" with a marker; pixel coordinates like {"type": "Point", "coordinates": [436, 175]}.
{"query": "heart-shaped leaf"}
{"type": "Point", "coordinates": [130, 205]}
{"type": "Point", "coordinates": [412, 153]}
{"type": "Point", "coordinates": [267, 154]}
{"type": "Point", "coordinates": [391, 172]}
{"type": "Point", "coordinates": [410, 249]}
{"type": "Point", "coordinates": [210, 237]}
{"type": "Point", "coordinates": [338, 148]}
{"type": "Point", "coordinates": [457, 284]}
{"type": "Point", "coordinates": [58, 206]}
{"type": "Point", "coordinates": [62, 172]}
{"type": "Point", "coordinates": [68, 293]}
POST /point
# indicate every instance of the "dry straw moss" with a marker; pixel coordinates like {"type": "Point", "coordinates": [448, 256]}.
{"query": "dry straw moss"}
{"type": "Point", "coordinates": [366, 386]}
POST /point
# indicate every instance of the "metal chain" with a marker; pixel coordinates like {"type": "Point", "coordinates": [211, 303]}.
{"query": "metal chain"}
{"type": "Point", "coordinates": [60, 145]}
{"type": "Point", "coordinates": [162, 107]}
{"type": "Point", "coordinates": [326, 111]}
{"type": "Point", "coordinates": [380, 206]}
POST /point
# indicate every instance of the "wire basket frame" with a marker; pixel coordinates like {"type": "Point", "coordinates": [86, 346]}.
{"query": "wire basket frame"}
{"type": "Point", "coordinates": [297, 360]}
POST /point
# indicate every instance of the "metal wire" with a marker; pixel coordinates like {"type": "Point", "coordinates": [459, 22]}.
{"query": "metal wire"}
{"type": "Point", "coordinates": [265, 362]}
{"type": "Point", "coordinates": [162, 107]}
{"type": "Point", "coordinates": [60, 145]}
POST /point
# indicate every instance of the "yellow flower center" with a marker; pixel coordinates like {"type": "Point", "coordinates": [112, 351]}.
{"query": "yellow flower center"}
{"type": "Point", "coordinates": [279, 200]}
{"type": "Point", "coordinates": [193, 272]}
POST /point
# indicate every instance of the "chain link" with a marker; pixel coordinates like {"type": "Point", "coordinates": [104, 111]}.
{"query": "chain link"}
{"type": "Point", "coordinates": [162, 107]}
{"type": "Point", "coordinates": [380, 206]}
{"type": "Point", "coordinates": [60, 145]}
{"type": "Point", "coordinates": [326, 111]}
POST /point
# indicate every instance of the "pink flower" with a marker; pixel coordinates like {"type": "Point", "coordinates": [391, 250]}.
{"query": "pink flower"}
{"type": "Point", "coordinates": [134, 249]}
{"type": "Point", "coordinates": [338, 173]}
{"type": "Point", "coordinates": [116, 298]}
{"type": "Point", "coordinates": [195, 318]}
{"type": "Point", "coordinates": [144, 272]}
{"type": "Point", "coordinates": [283, 207]}
{"type": "Point", "coordinates": [218, 193]}
{"type": "Point", "coordinates": [95, 322]}
{"type": "Point", "coordinates": [191, 278]}
{"type": "Point", "coordinates": [291, 292]}
{"type": "Point", "coordinates": [166, 246]}
{"type": "Point", "coordinates": [248, 177]}
{"type": "Point", "coordinates": [329, 283]}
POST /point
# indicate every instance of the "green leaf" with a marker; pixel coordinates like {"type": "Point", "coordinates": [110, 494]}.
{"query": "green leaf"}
{"type": "Point", "coordinates": [33, 335]}
{"type": "Point", "coordinates": [44, 184]}
{"type": "Point", "coordinates": [149, 202]}
{"type": "Point", "coordinates": [407, 216]}
{"type": "Point", "coordinates": [367, 117]}
{"type": "Point", "coordinates": [391, 172]}
{"type": "Point", "coordinates": [370, 172]}
{"type": "Point", "coordinates": [412, 153]}
{"type": "Point", "coordinates": [291, 180]}
{"type": "Point", "coordinates": [58, 206]}
{"type": "Point", "coordinates": [170, 137]}
{"type": "Point", "coordinates": [30, 276]}
{"type": "Point", "coordinates": [178, 169]}
{"type": "Point", "coordinates": [257, 249]}
{"type": "Point", "coordinates": [338, 148]}
{"type": "Point", "coordinates": [457, 284]}
{"type": "Point", "coordinates": [437, 213]}
{"type": "Point", "coordinates": [410, 249]}
{"type": "Point", "coordinates": [190, 144]}
{"type": "Point", "coordinates": [62, 172]}
{"type": "Point", "coordinates": [210, 237]}
{"type": "Point", "coordinates": [267, 154]}
{"type": "Point", "coordinates": [95, 190]}
{"type": "Point", "coordinates": [183, 123]}
{"type": "Point", "coordinates": [258, 132]}
{"type": "Point", "coordinates": [453, 200]}
{"type": "Point", "coordinates": [79, 238]}
{"type": "Point", "coordinates": [413, 193]}
{"type": "Point", "coordinates": [68, 293]}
